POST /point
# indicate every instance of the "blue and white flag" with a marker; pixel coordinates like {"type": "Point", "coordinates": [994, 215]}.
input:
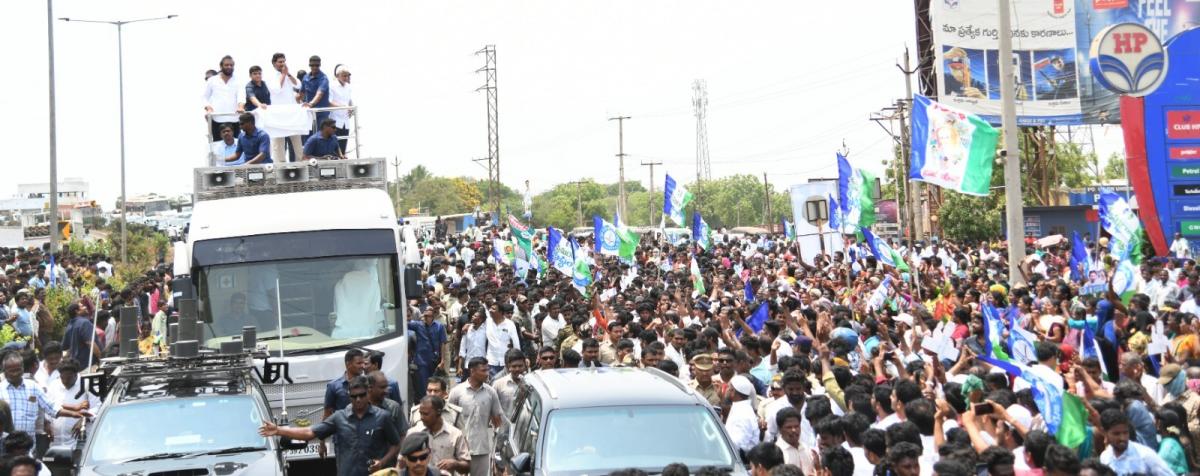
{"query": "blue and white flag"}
{"type": "Point", "coordinates": [880, 295]}
{"type": "Point", "coordinates": [1079, 258]}
{"type": "Point", "coordinates": [1021, 345]}
{"type": "Point", "coordinates": [560, 252]}
{"type": "Point", "coordinates": [749, 292]}
{"type": "Point", "coordinates": [835, 214]}
{"type": "Point", "coordinates": [675, 198]}
{"type": "Point", "coordinates": [884, 252]}
{"type": "Point", "coordinates": [789, 231]}
{"type": "Point", "coordinates": [581, 273]}
{"type": "Point", "coordinates": [605, 235]}
{"type": "Point", "coordinates": [701, 233]}
{"type": "Point", "coordinates": [617, 220]}
{"type": "Point", "coordinates": [1049, 399]}
{"type": "Point", "coordinates": [951, 148]}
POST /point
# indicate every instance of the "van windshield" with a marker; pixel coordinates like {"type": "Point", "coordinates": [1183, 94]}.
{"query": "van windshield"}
{"type": "Point", "coordinates": [322, 302]}
{"type": "Point", "coordinates": [682, 434]}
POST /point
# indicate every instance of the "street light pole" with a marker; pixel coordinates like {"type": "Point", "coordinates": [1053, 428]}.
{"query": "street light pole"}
{"type": "Point", "coordinates": [53, 136]}
{"type": "Point", "coordinates": [120, 24]}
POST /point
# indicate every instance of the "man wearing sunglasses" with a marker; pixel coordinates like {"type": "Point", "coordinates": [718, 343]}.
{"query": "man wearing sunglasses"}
{"type": "Point", "coordinates": [366, 438]}
{"type": "Point", "coordinates": [418, 458]}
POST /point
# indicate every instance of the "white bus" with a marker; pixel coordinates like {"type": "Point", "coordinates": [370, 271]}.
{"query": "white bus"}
{"type": "Point", "coordinates": [309, 253]}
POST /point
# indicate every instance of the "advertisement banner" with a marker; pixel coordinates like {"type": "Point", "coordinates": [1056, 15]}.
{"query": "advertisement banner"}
{"type": "Point", "coordinates": [1044, 59]}
{"type": "Point", "coordinates": [1166, 18]}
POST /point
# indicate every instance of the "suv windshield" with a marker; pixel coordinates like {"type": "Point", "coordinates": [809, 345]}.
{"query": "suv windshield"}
{"type": "Point", "coordinates": [325, 302]}
{"type": "Point", "coordinates": [183, 425]}
{"type": "Point", "coordinates": [682, 434]}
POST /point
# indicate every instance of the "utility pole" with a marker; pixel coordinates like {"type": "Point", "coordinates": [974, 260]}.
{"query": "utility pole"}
{"type": "Point", "coordinates": [621, 158]}
{"type": "Point", "coordinates": [912, 189]}
{"type": "Point", "coordinates": [1014, 215]}
{"type": "Point", "coordinates": [651, 164]}
{"type": "Point", "coordinates": [767, 219]}
{"type": "Point", "coordinates": [396, 188]}
{"type": "Point", "coordinates": [493, 110]}
{"type": "Point", "coordinates": [700, 110]}
{"type": "Point", "coordinates": [54, 147]}
{"type": "Point", "coordinates": [579, 197]}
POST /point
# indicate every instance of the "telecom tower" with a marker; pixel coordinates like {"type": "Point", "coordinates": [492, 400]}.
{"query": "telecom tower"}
{"type": "Point", "coordinates": [493, 124]}
{"type": "Point", "coordinates": [700, 105]}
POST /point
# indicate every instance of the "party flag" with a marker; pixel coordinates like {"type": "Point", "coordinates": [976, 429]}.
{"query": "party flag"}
{"type": "Point", "coordinates": [951, 148]}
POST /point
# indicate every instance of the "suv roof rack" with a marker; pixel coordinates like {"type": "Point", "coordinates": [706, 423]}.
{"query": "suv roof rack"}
{"type": "Point", "coordinates": [113, 369]}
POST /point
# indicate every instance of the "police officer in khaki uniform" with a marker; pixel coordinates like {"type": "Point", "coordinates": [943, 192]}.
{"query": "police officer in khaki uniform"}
{"type": "Point", "coordinates": [702, 379]}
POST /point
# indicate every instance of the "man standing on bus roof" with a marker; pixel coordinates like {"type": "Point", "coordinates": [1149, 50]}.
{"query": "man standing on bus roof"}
{"type": "Point", "coordinates": [316, 88]}
{"type": "Point", "coordinates": [283, 87]}
{"type": "Point", "coordinates": [224, 98]}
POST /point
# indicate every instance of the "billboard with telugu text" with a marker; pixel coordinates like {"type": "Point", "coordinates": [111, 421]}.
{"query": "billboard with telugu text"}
{"type": "Point", "coordinates": [1051, 41]}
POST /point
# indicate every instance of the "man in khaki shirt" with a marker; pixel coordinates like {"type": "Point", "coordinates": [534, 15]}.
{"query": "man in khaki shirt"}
{"type": "Point", "coordinates": [702, 379]}
{"type": "Point", "coordinates": [608, 347]}
{"type": "Point", "coordinates": [447, 445]}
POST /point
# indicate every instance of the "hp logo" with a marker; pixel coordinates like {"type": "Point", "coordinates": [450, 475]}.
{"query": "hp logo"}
{"type": "Point", "coordinates": [1127, 58]}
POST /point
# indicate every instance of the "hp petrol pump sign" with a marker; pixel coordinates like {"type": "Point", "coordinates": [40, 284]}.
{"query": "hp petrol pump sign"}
{"type": "Point", "coordinates": [1127, 58]}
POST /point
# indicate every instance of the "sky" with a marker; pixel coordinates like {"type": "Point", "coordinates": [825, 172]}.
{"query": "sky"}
{"type": "Point", "coordinates": [788, 83]}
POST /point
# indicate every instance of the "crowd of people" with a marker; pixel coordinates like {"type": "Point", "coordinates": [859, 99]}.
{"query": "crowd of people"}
{"type": "Point", "coordinates": [46, 349]}
{"type": "Point", "coordinates": [858, 369]}
{"type": "Point", "coordinates": [232, 104]}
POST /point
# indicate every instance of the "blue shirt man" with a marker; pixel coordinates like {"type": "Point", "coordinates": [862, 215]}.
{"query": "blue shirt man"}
{"type": "Point", "coordinates": [324, 144]}
{"type": "Point", "coordinates": [254, 145]}
{"type": "Point", "coordinates": [79, 332]}
{"type": "Point", "coordinates": [316, 88]}
{"type": "Point", "coordinates": [256, 89]}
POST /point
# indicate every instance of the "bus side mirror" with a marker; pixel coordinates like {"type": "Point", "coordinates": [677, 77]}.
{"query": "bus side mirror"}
{"type": "Point", "coordinates": [412, 282]}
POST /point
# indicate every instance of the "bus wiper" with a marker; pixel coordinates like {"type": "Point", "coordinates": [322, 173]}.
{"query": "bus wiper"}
{"type": "Point", "coordinates": [317, 350]}
{"type": "Point", "coordinates": [235, 449]}
{"type": "Point", "coordinates": [154, 456]}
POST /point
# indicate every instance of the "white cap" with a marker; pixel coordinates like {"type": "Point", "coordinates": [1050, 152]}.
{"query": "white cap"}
{"type": "Point", "coordinates": [742, 385]}
{"type": "Point", "coordinates": [1020, 414]}
{"type": "Point", "coordinates": [905, 318]}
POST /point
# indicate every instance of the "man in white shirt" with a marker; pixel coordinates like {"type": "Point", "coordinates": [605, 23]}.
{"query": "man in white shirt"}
{"type": "Point", "coordinates": [501, 335]}
{"type": "Point", "coordinates": [47, 370]}
{"type": "Point", "coordinates": [742, 423]}
{"type": "Point", "coordinates": [795, 452]}
{"type": "Point", "coordinates": [552, 323]}
{"type": "Point", "coordinates": [283, 88]}
{"type": "Point", "coordinates": [224, 98]}
{"type": "Point", "coordinates": [474, 340]}
{"type": "Point", "coordinates": [64, 391]}
{"type": "Point", "coordinates": [1047, 355]}
{"type": "Point", "coordinates": [1125, 456]}
{"type": "Point", "coordinates": [675, 352]}
{"type": "Point", "coordinates": [340, 94]}
{"type": "Point", "coordinates": [1180, 247]}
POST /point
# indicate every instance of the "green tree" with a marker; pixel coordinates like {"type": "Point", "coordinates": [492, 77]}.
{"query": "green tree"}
{"type": "Point", "coordinates": [969, 218]}
{"type": "Point", "coordinates": [1114, 167]}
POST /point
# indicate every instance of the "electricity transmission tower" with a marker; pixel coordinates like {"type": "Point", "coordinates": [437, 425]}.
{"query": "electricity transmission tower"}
{"type": "Point", "coordinates": [493, 123]}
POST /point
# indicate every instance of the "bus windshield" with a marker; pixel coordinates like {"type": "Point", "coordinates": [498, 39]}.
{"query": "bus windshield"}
{"type": "Point", "coordinates": [321, 302]}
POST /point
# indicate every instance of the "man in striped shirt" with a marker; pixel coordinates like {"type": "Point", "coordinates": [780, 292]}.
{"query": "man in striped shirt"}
{"type": "Point", "coordinates": [25, 397]}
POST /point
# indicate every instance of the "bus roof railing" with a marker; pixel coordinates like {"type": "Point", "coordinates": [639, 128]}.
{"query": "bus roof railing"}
{"type": "Point", "coordinates": [216, 183]}
{"type": "Point", "coordinates": [352, 144]}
